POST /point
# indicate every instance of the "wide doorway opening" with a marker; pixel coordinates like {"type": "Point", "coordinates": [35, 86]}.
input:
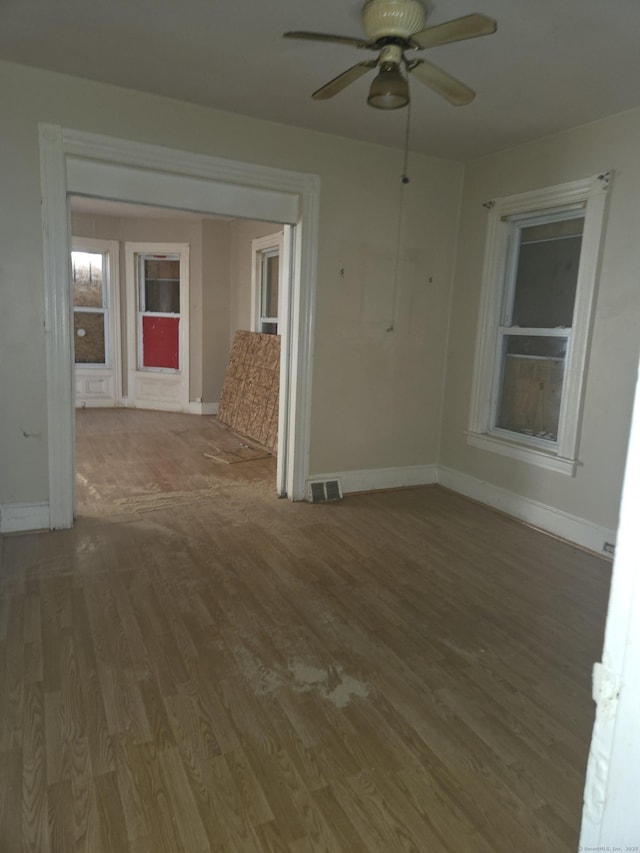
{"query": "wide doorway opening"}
{"type": "Point", "coordinates": [97, 167]}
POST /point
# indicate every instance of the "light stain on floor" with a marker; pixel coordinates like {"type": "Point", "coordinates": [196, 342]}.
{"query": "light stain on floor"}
{"type": "Point", "coordinates": [199, 666]}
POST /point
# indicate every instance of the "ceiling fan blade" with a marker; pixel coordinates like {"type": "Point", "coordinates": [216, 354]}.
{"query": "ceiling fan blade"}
{"type": "Point", "coordinates": [299, 34]}
{"type": "Point", "coordinates": [444, 84]}
{"type": "Point", "coordinates": [468, 27]}
{"type": "Point", "coordinates": [343, 80]}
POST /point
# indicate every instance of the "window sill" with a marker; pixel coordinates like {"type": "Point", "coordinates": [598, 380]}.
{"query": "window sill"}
{"type": "Point", "coordinates": [530, 455]}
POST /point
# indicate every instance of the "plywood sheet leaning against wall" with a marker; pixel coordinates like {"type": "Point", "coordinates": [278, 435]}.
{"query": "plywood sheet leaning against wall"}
{"type": "Point", "coordinates": [249, 399]}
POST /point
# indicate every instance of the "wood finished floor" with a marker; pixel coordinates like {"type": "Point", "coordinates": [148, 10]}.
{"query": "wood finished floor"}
{"type": "Point", "coordinates": [199, 666]}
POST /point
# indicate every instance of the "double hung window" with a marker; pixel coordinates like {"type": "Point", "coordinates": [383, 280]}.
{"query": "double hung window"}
{"type": "Point", "coordinates": [158, 301]}
{"type": "Point", "coordinates": [537, 318]}
{"type": "Point", "coordinates": [265, 292]}
{"type": "Point", "coordinates": [539, 282]}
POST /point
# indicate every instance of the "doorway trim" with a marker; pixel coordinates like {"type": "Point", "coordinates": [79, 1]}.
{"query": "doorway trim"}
{"type": "Point", "coordinates": [74, 162]}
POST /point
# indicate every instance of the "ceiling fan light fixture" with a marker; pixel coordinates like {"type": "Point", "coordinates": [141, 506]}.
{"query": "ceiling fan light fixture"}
{"type": "Point", "coordinates": [389, 89]}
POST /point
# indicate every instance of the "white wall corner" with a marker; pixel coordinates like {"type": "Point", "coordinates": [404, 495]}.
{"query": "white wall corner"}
{"type": "Point", "coordinates": [584, 533]}
{"type": "Point", "coordinates": [21, 518]}
{"type": "Point", "coordinates": [375, 479]}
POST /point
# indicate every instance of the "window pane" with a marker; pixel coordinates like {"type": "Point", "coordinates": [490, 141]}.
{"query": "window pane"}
{"type": "Point", "coordinates": [88, 337]}
{"type": "Point", "coordinates": [531, 390]}
{"type": "Point", "coordinates": [533, 346]}
{"type": "Point", "coordinates": [547, 274]}
{"type": "Point", "coordinates": [270, 276]}
{"type": "Point", "coordinates": [87, 278]}
{"type": "Point", "coordinates": [162, 297]}
{"type": "Point", "coordinates": [162, 285]}
{"type": "Point", "coordinates": [162, 268]}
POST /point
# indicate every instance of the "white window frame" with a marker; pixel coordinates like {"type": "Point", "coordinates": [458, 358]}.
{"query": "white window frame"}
{"type": "Point", "coordinates": [588, 195]}
{"type": "Point", "coordinates": [132, 253]}
{"type": "Point", "coordinates": [142, 312]}
{"type": "Point", "coordinates": [261, 249]}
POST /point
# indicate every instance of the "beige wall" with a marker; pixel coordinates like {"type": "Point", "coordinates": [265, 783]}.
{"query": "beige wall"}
{"type": "Point", "coordinates": [594, 493]}
{"type": "Point", "coordinates": [216, 302]}
{"type": "Point", "coordinates": [242, 234]}
{"type": "Point", "coordinates": [376, 395]}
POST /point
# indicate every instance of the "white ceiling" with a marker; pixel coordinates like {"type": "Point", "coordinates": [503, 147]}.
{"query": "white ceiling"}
{"type": "Point", "coordinates": [553, 64]}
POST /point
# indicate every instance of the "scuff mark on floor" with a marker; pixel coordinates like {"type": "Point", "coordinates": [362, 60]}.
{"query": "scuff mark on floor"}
{"type": "Point", "coordinates": [332, 683]}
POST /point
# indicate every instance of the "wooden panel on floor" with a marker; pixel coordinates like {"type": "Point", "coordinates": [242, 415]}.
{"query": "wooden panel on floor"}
{"type": "Point", "coordinates": [250, 394]}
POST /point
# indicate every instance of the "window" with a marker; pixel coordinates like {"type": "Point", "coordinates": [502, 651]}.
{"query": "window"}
{"type": "Point", "coordinates": [89, 275]}
{"type": "Point", "coordinates": [266, 252]}
{"type": "Point", "coordinates": [269, 279]}
{"type": "Point", "coordinates": [538, 286]}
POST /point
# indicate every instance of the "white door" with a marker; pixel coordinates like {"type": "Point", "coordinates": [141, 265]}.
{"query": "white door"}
{"type": "Point", "coordinates": [158, 325]}
{"type": "Point", "coordinates": [96, 322]}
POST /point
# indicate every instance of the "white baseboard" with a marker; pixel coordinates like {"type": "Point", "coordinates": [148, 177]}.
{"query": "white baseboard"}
{"type": "Point", "coordinates": [584, 533]}
{"type": "Point", "coordinates": [381, 478]}
{"type": "Point", "coordinates": [203, 408]}
{"type": "Point", "coordinates": [96, 403]}
{"type": "Point", "coordinates": [556, 521]}
{"type": "Point", "coordinates": [192, 408]}
{"type": "Point", "coordinates": [19, 518]}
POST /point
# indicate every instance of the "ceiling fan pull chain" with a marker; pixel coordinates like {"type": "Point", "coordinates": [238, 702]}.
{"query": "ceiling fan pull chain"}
{"type": "Point", "coordinates": [404, 181]}
{"type": "Point", "coordinates": [405, 177]}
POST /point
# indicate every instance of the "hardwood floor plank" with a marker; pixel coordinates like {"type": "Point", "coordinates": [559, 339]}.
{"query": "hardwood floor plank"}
{"type": "Point", "coordinates": [432, 792]}
{"type": "Point", "coordinates": [11, 793]}
{"type": "Point", "coordinates": [147, 767]}
{"type": "Point", "coordinates": [53, 737]}
{"type": "Point", "coordinates": [112, 820]}
{"type": "Point", "coordinates": [137, 810]}
{"type": "Point", "coordinates": [35, 825]}
{"type": "Point", "coordinates": [95, 719]}
{"type": "Point", "coordinates": [270, 839]}
{"type": "Point", "coordinates": [190, 827]}
{"type": "Point", "coordinates": [136, 645]}
{"type": "Point", "coordinates": [347, 836]}
{"type": "Point", "coordinates": [254, 800]}
{"type": "Point", "coordinates": [61, 816]}
{"type": "Point", "coordinates": [12, 679]}
{"type": "Point", "coordinates": [88, 820]}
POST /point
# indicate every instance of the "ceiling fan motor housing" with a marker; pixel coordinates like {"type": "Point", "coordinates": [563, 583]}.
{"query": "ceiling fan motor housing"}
{"type": "Point", "coordinates": [399, 18]}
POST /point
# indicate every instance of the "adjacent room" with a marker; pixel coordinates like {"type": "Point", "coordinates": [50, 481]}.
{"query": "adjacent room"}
{"type": "Point", "coordinates": [158, 295]}
{"type": "Point", "coordinates": [399, 610]}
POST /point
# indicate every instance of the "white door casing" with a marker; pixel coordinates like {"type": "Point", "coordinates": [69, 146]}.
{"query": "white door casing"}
{"type": "Point", "coordinates": [74, 162]}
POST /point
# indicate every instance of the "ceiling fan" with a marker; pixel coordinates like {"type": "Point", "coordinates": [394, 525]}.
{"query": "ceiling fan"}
{"type": "Point", "coordinates": [392, 27]}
